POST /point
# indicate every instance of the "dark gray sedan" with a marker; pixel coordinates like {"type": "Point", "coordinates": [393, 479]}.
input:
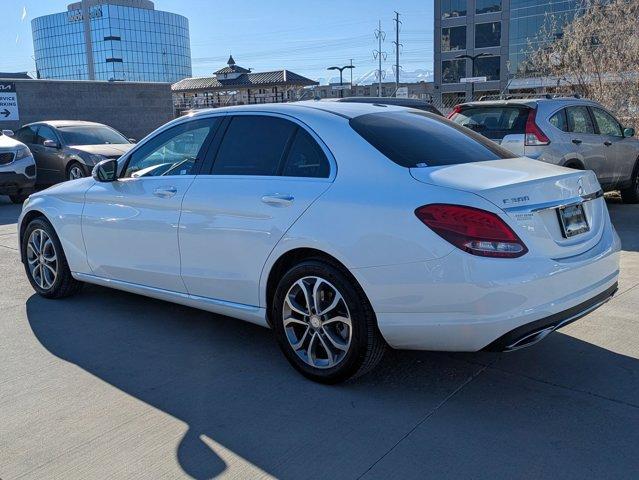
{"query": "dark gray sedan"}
{"type": "Point", "coordinates": [69, 149]}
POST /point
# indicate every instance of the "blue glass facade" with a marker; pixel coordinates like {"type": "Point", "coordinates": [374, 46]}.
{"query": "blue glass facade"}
{"type": "Point", "coordinates": [530, 21]}
{"type": "Point", "coordinates": [114, 42]}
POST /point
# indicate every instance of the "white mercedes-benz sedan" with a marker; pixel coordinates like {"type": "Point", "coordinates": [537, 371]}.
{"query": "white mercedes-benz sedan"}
{"type": "Point", "coordinates": [344, 227]}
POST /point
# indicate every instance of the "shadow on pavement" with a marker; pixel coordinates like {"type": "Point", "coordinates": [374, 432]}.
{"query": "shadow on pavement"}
{"type": "Point", "coordinates": [9, 212]}
{"type": "Point", "coordinates": [228, 381]}
{"type": "Point", "coordinates": [626, 221]}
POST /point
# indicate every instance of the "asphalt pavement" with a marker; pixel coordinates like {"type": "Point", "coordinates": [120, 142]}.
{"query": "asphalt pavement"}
{"type": "Point", "coordinates": [112, 385]}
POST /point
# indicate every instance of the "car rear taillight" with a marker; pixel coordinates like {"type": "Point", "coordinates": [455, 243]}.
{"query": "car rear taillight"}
{"type": "Point", "coordinates": [455, 111]}
{"type": "Point", "coordinates": [473, 230]}
{"type": "Point", "coordinates": [533, 134]}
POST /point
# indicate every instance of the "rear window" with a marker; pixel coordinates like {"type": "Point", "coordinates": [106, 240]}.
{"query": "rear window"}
{"type": "Point", "coordinates": [493, 122]}
{"type": "Point", "coordinates": [413, 139]}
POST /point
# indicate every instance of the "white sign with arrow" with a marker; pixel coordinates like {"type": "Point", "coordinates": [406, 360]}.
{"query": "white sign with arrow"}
{"type": "Point", "coordinates": [8, 102]}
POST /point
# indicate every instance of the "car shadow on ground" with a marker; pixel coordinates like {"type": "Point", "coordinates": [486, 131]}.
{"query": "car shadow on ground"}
{"type": "Point", "coordinates": [228, 381]}
{"type": "Point", "coordinates": [9, 212]}
{"type": "Point", "coordinates": [626, 221]}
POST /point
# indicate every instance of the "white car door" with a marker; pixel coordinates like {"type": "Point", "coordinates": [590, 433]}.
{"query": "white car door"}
{"type": "Point", "coordinates": [266, 170]}
{"type": "Point", "coordinates": [130, 225]}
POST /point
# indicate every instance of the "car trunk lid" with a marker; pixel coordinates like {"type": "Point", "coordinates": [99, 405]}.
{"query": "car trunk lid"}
{"type": "Point", "coordinates": [531, 194]}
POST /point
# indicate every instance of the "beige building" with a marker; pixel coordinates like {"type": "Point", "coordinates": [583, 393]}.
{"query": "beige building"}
{"type": "Point", "coordinates": [235, 85]}
{"type": "Point", "coordinates": [418, 90]}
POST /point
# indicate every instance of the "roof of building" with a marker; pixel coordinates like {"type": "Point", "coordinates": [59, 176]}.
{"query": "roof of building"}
{"type": "Point", "coordinates": [277, 77]}
{"type": "Point", "coordinates": [20, 75]}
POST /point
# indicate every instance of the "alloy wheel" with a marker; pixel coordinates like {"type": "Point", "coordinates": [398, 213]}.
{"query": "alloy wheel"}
{"type": "Point", "coordinates": [75, 172]}
{"type": "Point", "coordinates": [42, 259]}
{"type": "Point", "coordinates": [317, 322]}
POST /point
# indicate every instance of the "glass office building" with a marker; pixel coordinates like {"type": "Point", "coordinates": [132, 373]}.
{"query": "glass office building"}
{"type": "Point", "coordinates": [503, 32]}
{"type": "Point", "coordinates": [116, 40]}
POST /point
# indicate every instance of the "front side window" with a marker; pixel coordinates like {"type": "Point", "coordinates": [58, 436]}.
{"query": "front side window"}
{"type": "Point", "coordinates": [45, 133]}
{"type": "Point", "coordinates": [606, 123]}
{"type": "Point", "coordinates": [487, 34]}
{"type": "Point", "coordinates": [253, 145]}
{"type": "Point", "coordinates": [412, 139]}
{"type": "Point", "coordinates": [453, 38]}
{"type": "Point", "coordinates": [579, 120]}
{"type": "Point", "coordinates": [172, 152]}
{"type": "Point", "coordinates": [453, 70]}
{"type": "Point", "coordinates": [305, 158]}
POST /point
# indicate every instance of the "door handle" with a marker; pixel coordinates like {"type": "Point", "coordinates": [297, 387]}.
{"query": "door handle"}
{"type": "Point", "coordinates": [607, 143]}
{"type": "Point", "coordinates": [165, 192]}
{"type": "Point", "coordinates": [278, 200]}
{"type": "Point", "coordinates": [576, 141]}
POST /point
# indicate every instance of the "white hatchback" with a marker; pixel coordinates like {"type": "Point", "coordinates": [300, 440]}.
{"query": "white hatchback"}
{"type": "Point", "coordinates": [344, 227]}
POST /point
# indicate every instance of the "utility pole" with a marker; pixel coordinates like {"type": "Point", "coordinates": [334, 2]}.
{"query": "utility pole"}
{"type": "Point", "coordinates": [351, 65]}
{"type": "Point", "coordinates": [378, 54]}
{"type": "Point", "coordinates": [397, 45]}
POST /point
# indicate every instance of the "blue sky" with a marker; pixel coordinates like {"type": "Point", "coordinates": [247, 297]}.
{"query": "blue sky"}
{"type": "Point", "coordinates": [305, 37]}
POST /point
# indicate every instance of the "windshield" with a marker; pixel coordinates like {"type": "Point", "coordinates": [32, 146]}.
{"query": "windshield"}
{"type": "Point", "coordinates": [494, 122]}
{"type": "Point", "coordinates": [91, 135]}
{"type": "Point", "coordinates": [412, 139]}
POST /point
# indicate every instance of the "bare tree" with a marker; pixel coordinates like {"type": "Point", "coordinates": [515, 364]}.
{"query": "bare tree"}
{"type": "Point", "coordinates": [596, 54]}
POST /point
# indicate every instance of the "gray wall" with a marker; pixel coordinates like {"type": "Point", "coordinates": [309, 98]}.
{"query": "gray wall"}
{"type": "Point", "coordinates": [135, 109]}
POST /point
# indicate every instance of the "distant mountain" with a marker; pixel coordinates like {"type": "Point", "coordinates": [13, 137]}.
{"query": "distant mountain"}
{"type": "Point", "coordinates": [369, 78]}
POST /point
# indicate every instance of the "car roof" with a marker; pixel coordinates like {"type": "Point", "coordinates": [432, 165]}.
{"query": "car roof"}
{"type": "Point", "coordinates": [530, 102]}
{"type": "Point", "coordinates": [343, 109]}
{"type": "Point", "coordinates": [65, 123]}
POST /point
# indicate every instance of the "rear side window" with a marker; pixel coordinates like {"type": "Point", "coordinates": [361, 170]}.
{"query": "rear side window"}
{"type": "Point", "coordinates": [493, 122]}
{"type": "Point", "coordinates": [559, 120]}
{"type": "Point", "coordinates": [305, 158]}
{"type": "Point", "coordinates": [413, 138]}
{"type": "Point", "coordinates": [579, 120]}
{"type": "Point", "coordinates": [253, 145]}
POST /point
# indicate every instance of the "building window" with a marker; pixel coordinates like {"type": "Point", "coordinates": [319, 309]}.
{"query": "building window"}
{"type": "Point", "coordinates": [487, 6]}
{"type": "Point", "coordinates": [487, 34]}
{"type": "Point", "coordinates": [488, 67]}
{"type": "Point", "coordinates": [453, 70]}
{"type": "Point", "coordinates": [453, 8]}
{"type": "Point", "coordinates": [453, 38]}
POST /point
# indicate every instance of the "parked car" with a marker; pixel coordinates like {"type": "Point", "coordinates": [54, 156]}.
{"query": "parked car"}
{"type": "Point", "coordinates": [571, 132]}
{"type": "Point", "coordinates": [17, 168]}
{"type": "Point", "coordinates": [69, 149]}
{"type": "Point", "coordinates": [342, 226]}
{"type": "Point", "coordinates": [401, 102]}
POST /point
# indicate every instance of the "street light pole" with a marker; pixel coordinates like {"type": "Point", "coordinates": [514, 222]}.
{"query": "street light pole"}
{"type": "Point", "coordinates": [472, 59]}
{"type": "Point", "coordinates": [341, 70]}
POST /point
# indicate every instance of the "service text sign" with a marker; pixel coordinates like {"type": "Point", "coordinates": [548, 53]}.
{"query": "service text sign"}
{"type": "Point", "coordinates": [8, 102]}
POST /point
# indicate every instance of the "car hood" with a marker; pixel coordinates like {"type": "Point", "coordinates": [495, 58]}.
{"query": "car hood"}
{"type": "Point", "coordinates": [107, 150]}
{"type": "Point", "coordinates": [8, 142]}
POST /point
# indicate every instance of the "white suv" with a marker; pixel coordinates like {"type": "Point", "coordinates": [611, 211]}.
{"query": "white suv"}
{"type": "Point", "coordinates": [17, 168]}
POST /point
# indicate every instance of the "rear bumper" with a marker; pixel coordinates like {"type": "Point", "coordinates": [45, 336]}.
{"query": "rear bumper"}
{"type": "Point", "coordinates": [467, 303]}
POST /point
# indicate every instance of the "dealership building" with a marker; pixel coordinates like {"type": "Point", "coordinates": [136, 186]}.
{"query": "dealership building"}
{"type": "Point", "coordinates": [502, 32]}
{"type": "Point", "coordinates": [112, 40]}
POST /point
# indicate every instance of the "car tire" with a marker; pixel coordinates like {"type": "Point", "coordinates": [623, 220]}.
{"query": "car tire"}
{"type": "Point", "coordinates": [631, 194]}
{"type": "Point", "coordinates": [76, 170]}
{"type": "Point", "coordinates": [333, 336]}
{"type": "Point", "coordinates": [45, 263]}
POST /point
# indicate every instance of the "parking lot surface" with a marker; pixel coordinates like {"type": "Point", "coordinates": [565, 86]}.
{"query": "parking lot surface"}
{"type": "Point", "coordinates": [112, 385]}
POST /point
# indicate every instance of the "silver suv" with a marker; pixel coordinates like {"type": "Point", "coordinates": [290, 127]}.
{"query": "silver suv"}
{"type": "Point", "coordinates": [567, 131]}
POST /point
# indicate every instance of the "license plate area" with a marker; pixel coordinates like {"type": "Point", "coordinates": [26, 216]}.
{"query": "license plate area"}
{"type": "Point", "coordinates": [572, 220]}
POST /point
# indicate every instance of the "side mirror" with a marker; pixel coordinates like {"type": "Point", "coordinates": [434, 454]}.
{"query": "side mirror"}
{"type": "Point", "coordinates": [628, 132]}
{"type": "Point", "coordinates": [7, 132]}
{"type": "Point", "coordinates": [51, 144]}
{"type": "Point", "coordinates": [132, 140]}
{"type": "Point", "coordinates": [106, 171]}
